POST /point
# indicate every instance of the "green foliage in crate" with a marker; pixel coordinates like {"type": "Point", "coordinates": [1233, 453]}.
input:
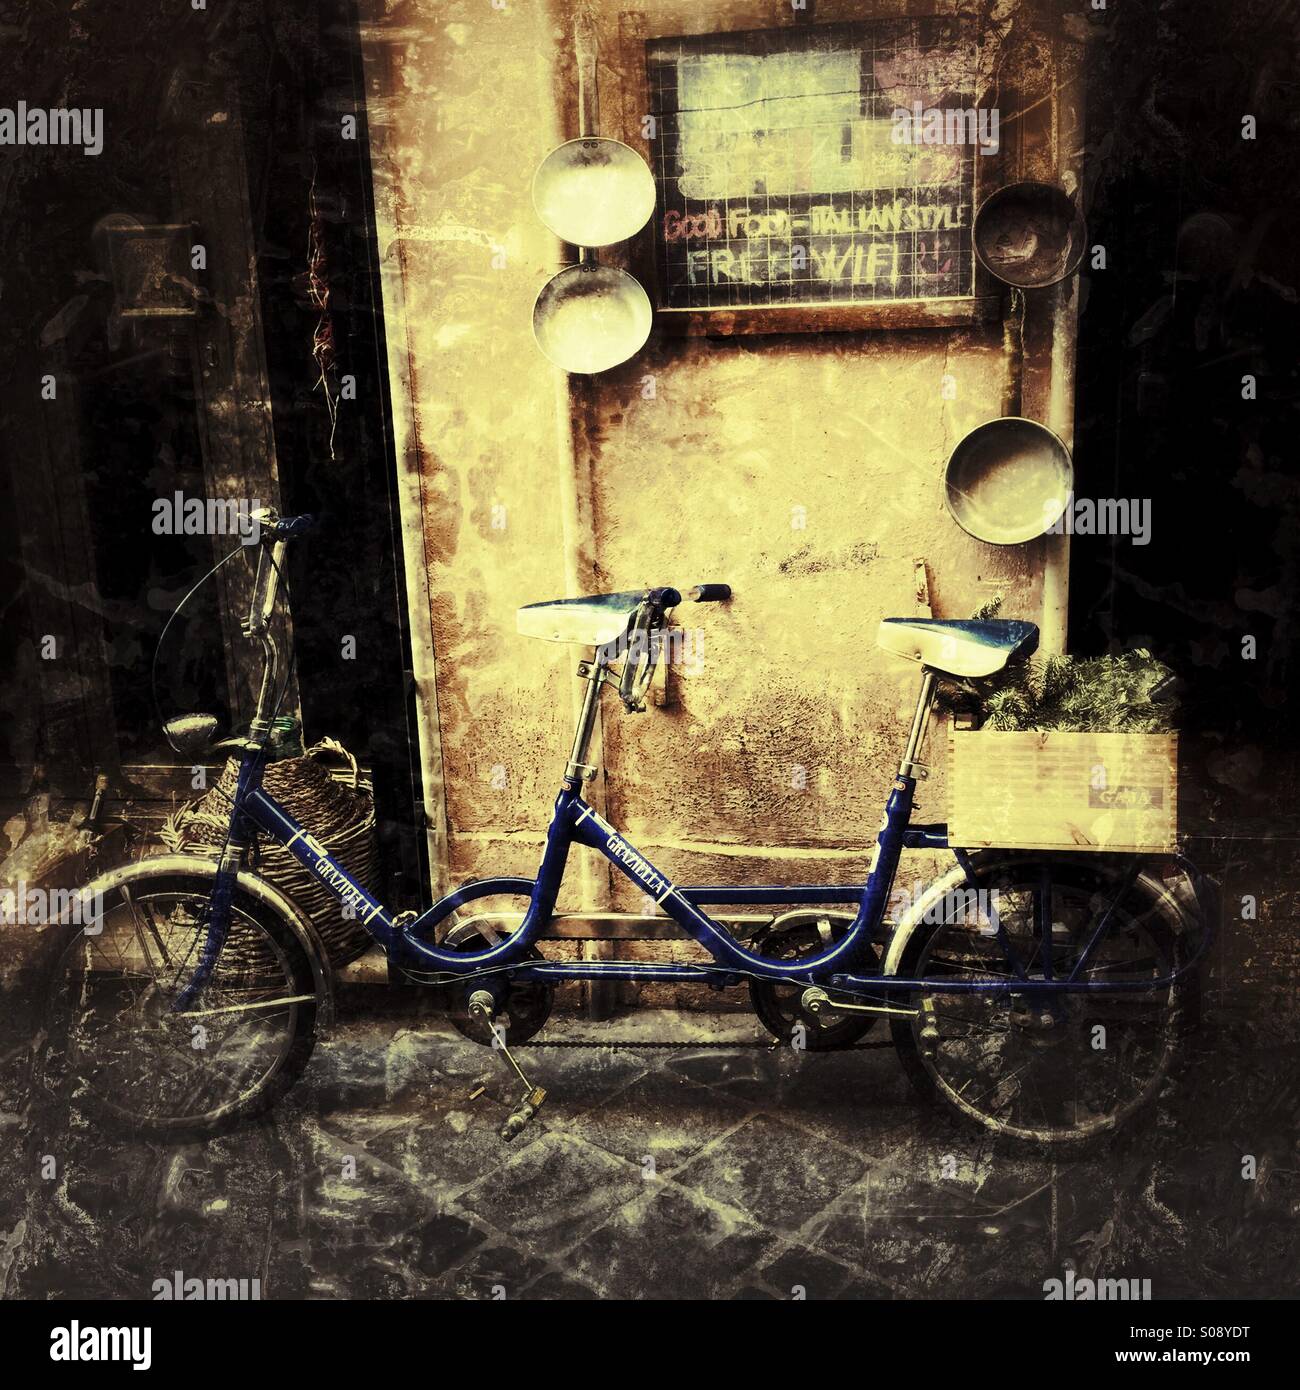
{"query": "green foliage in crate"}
{"type": "Point", "coordinates": [1131, 692]}
{"type": "Point", "coordinates": [1128, 693]}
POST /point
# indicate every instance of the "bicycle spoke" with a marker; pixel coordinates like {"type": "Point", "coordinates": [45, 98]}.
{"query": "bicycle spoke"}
{"type": "Point", "coordinates": [1050, 1063]}
{"type": "Point", "coordinates": [145, 1062]}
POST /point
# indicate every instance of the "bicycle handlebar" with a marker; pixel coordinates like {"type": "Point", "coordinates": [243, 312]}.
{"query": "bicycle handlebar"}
{"type": "Point", "coordinates": [669, 597]}
{"type": "Point", "coordinates": [274, 527]}
{"type": "Point", "coordinates": [710, 593]}
{"type": "Point", "coordinates": [641, 641]}
{"type": "Point", "coordinates": [287, 527]}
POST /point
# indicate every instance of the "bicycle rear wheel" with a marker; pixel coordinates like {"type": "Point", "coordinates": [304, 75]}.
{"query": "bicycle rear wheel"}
{"type": "Point", "coordinates": [1047, 1068]}
{"type": "Point", "coordinates": [112, 1043]}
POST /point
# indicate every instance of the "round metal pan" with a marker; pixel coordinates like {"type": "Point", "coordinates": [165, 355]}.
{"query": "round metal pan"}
{"type": "Point", "coordinates": [1030, 235]}
{"type": "Point", "coordinates": [594, 192]}
{"type": "Point", "coordinates": [1008, 480]}
{"type": "Point", "coordinates": [591, 317]}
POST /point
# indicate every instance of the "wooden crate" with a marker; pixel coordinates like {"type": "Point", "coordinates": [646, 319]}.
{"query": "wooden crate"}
{"type": "Point", "coordinates": [1063, 790]}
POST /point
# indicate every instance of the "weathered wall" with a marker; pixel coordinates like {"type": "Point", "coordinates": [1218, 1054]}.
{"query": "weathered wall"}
{"type": "Point", "coordinates": [805, 472]}
{"type": "Point", "coordinates": [460, 110]}
{"type": "Point", "coordinates": [803, 469]}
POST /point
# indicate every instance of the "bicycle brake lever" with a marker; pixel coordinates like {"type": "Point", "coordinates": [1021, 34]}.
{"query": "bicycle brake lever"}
{"type": "Point", "coordinates": [522, 1113]}
{"type": "Point", "coordinates": [641, 649]}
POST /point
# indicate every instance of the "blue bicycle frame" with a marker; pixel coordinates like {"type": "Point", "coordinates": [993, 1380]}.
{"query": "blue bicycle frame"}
{"type": "Point", "coordinates": [410, 945]}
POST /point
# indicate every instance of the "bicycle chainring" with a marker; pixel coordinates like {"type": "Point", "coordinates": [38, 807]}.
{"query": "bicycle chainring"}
{"type": "Point", "coordinates": [525, 1004]}
{"type": "Point", "coordinates": [777, 1004]}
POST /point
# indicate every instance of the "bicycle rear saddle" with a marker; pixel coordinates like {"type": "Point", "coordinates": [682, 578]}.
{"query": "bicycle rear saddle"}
{"type": "Point", "coordinates": [959, 647]}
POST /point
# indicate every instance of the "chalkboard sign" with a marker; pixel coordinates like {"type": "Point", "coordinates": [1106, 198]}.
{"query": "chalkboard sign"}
{"type": "Point", "coordinates": [786, 177]}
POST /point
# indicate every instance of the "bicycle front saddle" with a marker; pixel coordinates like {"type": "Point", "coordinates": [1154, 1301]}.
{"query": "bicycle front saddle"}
{"type": "Point", "coordinates": [594, 621]}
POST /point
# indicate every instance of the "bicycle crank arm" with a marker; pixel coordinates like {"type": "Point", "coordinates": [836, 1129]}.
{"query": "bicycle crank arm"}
{"type": "Point", "coordinates": [815, 1000]}
{"type": "Point", "coordinates": [482, 1005]}
{"type": "Point", "coordinates": [249, 1008]}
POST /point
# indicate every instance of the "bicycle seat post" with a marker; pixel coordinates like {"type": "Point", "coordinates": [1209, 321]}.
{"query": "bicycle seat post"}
{"type": "Point", "coordinates": [578, 770]}
{"type": "Point", "coordinates": [910, 766]}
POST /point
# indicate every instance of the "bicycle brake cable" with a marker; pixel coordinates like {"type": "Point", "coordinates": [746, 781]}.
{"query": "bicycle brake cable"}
{"type": "Point", "coordinates": [175, 613]}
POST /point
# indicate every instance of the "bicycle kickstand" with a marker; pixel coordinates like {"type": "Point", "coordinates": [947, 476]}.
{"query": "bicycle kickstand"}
{"type": "Point", "coordinates": [483, 1006]}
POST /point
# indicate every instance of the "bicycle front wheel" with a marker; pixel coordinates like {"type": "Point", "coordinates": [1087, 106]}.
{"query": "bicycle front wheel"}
{"type": "Point", "coordinates": [1046, 1067]}
{"type": "Point", "coordinates": [113, 1044]}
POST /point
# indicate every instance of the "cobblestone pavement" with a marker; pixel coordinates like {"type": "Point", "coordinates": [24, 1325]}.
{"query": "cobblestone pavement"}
{"type": "Point", "coordinates": [696, 1172]}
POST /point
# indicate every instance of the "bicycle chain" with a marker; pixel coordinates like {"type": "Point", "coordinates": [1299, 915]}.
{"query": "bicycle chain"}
{"type": "Point", "coordinates": [757, 1045]}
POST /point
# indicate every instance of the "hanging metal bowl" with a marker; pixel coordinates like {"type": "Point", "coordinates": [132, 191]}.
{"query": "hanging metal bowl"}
{"type": "Point", "coordinates": [1030, 235]}
{"type": "Point", "coordinates": [591, 317]}
{"type": "Point", "coordinates": [594, 192]}
{"type": "Point", "coordinates": [1008, 481]}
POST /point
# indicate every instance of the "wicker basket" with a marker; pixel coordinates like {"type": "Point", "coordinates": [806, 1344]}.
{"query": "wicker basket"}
{"type": "Point", "coordinates": [341, 817]}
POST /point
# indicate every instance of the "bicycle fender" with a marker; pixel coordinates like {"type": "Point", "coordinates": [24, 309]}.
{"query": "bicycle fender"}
{"type": "Point", "coordinates": [915, 915]}
{"type": "Point", "coordinates": [982, 860]}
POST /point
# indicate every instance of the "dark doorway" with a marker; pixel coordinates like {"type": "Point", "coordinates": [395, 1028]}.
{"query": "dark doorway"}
{"type": "Point", "coordinates": [204, 295]}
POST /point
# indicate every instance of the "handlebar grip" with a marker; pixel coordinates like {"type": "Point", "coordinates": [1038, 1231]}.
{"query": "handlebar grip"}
{"type": "Point", "coordinates": [710, 593]}
{"type": "Point", "coordinates": [271, 527]}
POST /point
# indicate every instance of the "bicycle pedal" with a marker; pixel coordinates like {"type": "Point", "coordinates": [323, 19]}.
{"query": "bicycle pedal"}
{"type": "Point", "coordinates": [522, 1113]}
{"type": "Point", "coordinates": [929, 1029]}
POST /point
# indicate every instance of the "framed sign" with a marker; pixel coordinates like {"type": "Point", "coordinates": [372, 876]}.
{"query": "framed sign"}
{"type": "Point", "coordinates": [817, 167]}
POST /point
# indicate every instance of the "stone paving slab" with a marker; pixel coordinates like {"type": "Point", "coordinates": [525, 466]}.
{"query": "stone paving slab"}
{"type": "Point", "coordinates": [700, 1172]}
